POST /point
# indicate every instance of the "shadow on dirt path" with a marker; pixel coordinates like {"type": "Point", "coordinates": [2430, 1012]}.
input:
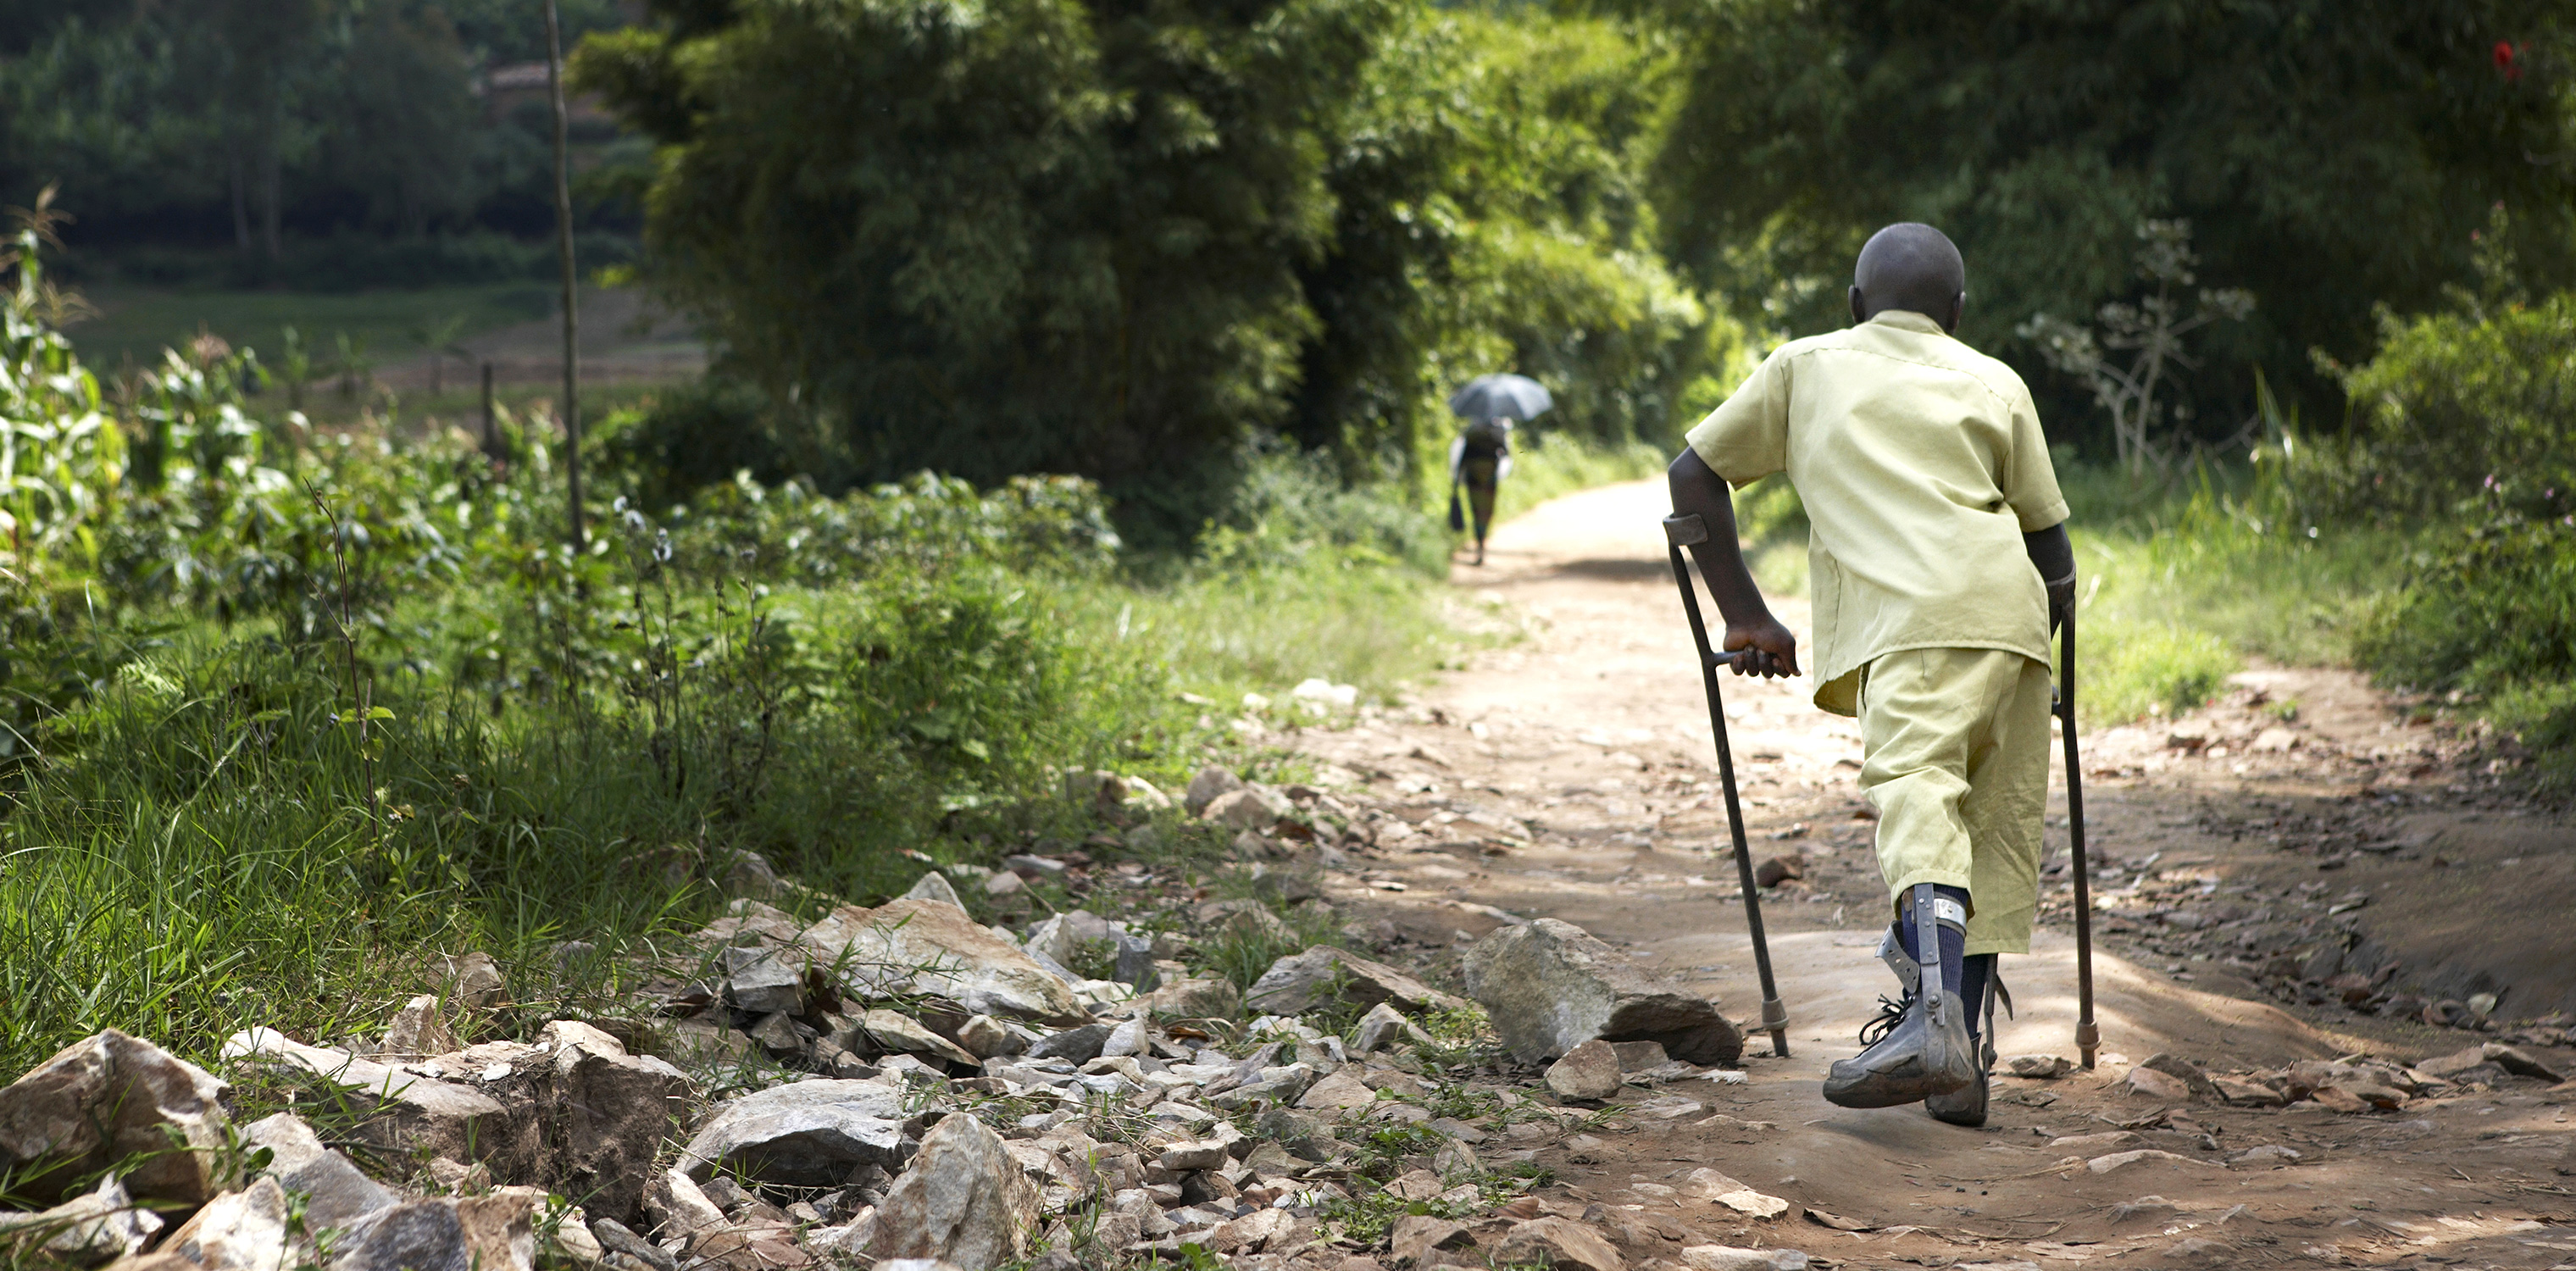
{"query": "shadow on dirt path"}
{"type": "Point", "coordinates": [2302, 845]}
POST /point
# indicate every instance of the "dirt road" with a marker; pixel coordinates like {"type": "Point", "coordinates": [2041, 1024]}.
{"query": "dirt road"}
{"type": "Point", "coordinates": [2258, 864]}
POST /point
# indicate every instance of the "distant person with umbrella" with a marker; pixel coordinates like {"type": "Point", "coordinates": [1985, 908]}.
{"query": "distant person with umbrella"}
{"type": "Point", "coordinates": [1482, 455]}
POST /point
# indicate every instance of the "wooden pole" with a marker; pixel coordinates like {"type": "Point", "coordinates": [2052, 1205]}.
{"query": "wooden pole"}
{"type": "Point", "coordinates": [491, 425]}
{"type": "Point", "coordinates": [571, 409]}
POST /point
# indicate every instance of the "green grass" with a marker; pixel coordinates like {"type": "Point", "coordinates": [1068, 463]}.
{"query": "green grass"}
{"type": "Point", "coordinates": [135, 324]}
{"type": "Point", "coordinates": [2178, 588]}
{"type": "Point", "coordinates": [202, 853]}
{"type": "Point", "coordinates": [1223, 635]}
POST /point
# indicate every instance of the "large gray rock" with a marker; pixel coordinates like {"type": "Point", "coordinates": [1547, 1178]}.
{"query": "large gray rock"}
{"type": "Point", "coordinates": [762, 982]}
{"type": "Point", "coordinates": [1210, 782]}
{"type": "Point", "coordinates": [934, 886]}
{"type": "Point", "coordinates": [1198, 998]}
{"type": "Point", "coordinates": [963, 1201]}
{"type": "Point", "coordinates": [1558, 1242]}
{"type": "Point", "coordinates": [1250, 808]}
{"type": "Point", "coordinates": [1549, 986]}
{"type": "Point", "coordinates": [931, 947]}
{"type": "Point", "coordinates": [808, 1134]}
{"type": "Point", "coordinates": [1300, 982]}
{"type": "Point", "coordinates": [418, 1029]}
{"type": "Point", "coordinates": [336, 1192]}
{"type": "Point", "coordinates": [240, 1231]}
{"type": "Point", "coordinates": [607, 1113]}
{"type": "Point", "coordinates": [405, 1113]}
{"type": "Point", "coordinates": [96, 1227]}
{"type": "Point", "coordinates": [1269, 1087]}
{"type": "Point", "coordinates": [1078, 1045]}
{"type": "Point", "coordinates": [896, 1031]}
{"type": "Point", "coordinates": [678, 1208]}
{"type": "Point", "coordinates": [470, 979]}
{"type": "Point", "coordinates": [1589, 1071]}
{"type": "Point", "coordinates": [479, 1233]}
{"type": "Point", "coordinates": [103, 1099]}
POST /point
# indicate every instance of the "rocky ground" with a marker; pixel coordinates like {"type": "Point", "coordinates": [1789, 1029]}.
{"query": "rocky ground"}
{"type": "Point", "coordinates": [902, 1086]}
{"type": "Point", "coordinates": [1497, 978]}
{"type": "Point", "coordinates": [2307, 871]}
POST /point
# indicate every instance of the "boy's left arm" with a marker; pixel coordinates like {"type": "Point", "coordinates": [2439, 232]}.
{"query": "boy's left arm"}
{"type": "Point", "coordinates": [2054, 554]}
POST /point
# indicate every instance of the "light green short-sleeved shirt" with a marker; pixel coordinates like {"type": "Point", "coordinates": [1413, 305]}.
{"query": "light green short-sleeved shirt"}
{"type": "Point", "coordinates": [1921, 465]}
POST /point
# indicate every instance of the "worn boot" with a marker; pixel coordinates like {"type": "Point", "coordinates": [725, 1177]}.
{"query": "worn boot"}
{"type": "Point", "coordinates": [1920, 1046]}
{"type": "Point", "coordinates": [1967, 1105]}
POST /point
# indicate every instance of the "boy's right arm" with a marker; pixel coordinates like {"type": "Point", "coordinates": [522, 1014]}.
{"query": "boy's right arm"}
{"type": "Point", "coordinates": [1698, 490]}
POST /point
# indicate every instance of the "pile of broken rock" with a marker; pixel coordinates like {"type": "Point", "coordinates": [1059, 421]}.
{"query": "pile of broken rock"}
{"type": "Point", "coordinates": [2359, 1084]}
{"type": "Point", "coordinates": [887, 1084]}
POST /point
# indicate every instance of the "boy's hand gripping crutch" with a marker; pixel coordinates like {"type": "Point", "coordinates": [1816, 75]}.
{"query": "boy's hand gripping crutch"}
{"type": "Point", "coordinates": [1681, 532]}
{"type": "Point", "coordinates": [2087, 1037]}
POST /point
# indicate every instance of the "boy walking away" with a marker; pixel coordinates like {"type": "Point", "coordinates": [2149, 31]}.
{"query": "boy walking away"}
{"type": "Point", "coordinates": [1940, 567]}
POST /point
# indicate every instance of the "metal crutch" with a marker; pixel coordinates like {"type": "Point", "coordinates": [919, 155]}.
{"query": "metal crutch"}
{"type": "Point", "coordinates": [1681, 532]}
{"type": "Point", "coordinates": [2088, 1038]}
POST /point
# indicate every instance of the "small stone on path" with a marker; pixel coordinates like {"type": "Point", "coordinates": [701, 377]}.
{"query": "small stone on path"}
{"type": "Point", "coordinates": [1589, 1071]}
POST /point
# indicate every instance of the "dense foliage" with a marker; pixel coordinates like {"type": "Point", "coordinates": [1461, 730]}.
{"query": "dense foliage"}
{"type": "Point", "coordinates": [283, 710]}
{"type": "Point", "coordinates": [244, 123]}
{"type": "Point", "coordinates": [2331, 156]}
{"type": "Point", "coordinates": [2465, 425]}
{"type": "Point", "coordinates": [1121, 240]}
{"type": "Point", "coordinates": [2464, 414]}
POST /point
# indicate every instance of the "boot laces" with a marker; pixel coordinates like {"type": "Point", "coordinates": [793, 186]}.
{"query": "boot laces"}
{"type": "Point", "coordinates": [1891, 1012]}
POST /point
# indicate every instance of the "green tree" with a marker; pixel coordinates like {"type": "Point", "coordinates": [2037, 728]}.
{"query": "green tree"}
{"type": "Point", "coordinates": [1493, 215]}
{"type": "Point", "coordinates": [265, 48]}
{"type": "Point", "coordinates": [1120, 237]}
{"type": "Point", "coordinates": [2332, 155]}
{"type": "Point", "coordinates": [122, 115]}
{"type": "Point", "coordinates": [405, 120]}
{"type": "Point", "coordinates": [1034, 235]}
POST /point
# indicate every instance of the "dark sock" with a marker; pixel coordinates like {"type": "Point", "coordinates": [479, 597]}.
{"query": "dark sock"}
{"type": "Point", "coordinates": [1954, 942]}
{"type": "Point", "coordinates": [1972, 990]}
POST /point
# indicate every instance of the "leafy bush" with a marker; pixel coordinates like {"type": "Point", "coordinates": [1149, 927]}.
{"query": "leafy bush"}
{"type": "Point", "coordinates": [285, 711]}
{"type": "Point", "coordinates": [2460, 407]}
{"type": "Point", "coordinates": [700, 434]}
{"type": "Point", "coordinates": [1291, 506]}
{"type": "Point", "coordinates": [2489, 610]}
{"type": "Point", "coordinates": [927, 526]}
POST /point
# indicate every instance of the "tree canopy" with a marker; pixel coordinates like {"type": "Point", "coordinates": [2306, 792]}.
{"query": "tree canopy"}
{"type": "Point", "coordinates": [1120, 237]}
{"type": "Point", "coordinates": [2331, 156]}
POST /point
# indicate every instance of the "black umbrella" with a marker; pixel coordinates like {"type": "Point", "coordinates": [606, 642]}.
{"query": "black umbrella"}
{"type": "Point", "coordinates": [1501, 397]}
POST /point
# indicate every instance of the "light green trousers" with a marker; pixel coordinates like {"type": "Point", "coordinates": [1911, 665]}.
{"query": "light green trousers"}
{"type": "Point", "coordinates": [1955, 759]}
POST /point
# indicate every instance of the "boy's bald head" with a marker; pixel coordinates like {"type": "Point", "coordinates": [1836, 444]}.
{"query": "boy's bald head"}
{"type": "Point", "coordinates": [1910, 266]}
